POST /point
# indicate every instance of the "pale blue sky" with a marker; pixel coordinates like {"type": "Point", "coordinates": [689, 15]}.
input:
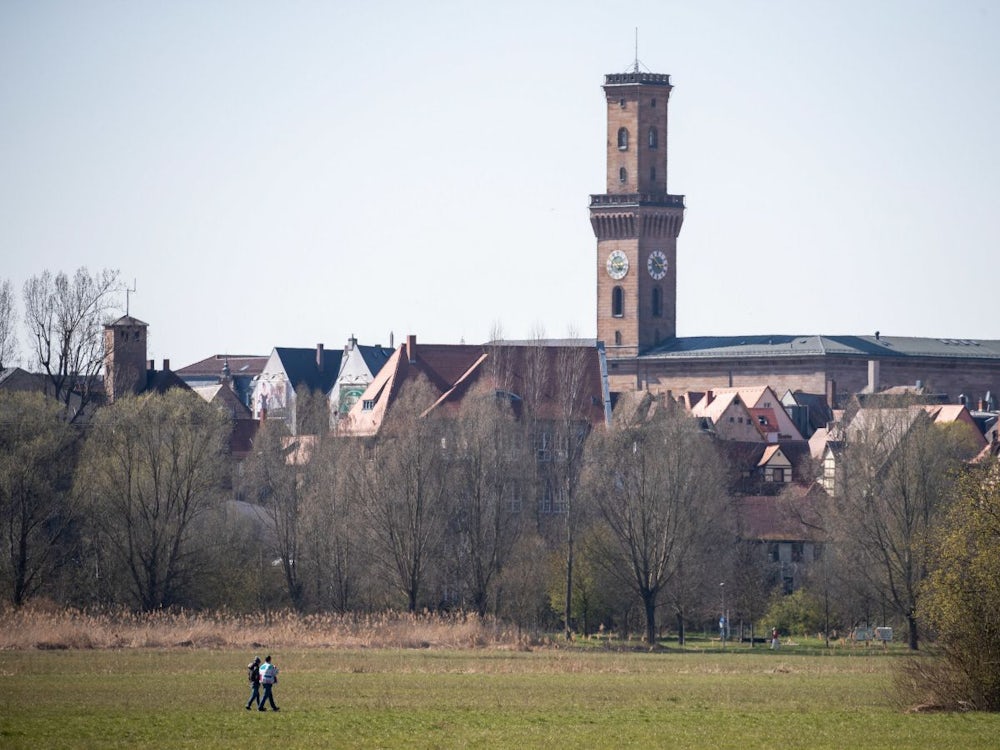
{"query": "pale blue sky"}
{"type": "Point", "coordinates": [287, 173]}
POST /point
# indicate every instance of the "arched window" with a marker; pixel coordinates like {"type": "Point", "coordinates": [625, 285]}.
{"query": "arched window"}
{"type": "Point", "coordinates": [617, 302]}
{"type": "Point", "coordinates": [622, 175]}
{"type": "Point", "coordinates": [623, 139]}
{"type": "Point", "coordinates": [657, 302]}
{"type": "Point", "coordinates": [618, 338]}
{"type": "Point", "coordinates": [653, 138]}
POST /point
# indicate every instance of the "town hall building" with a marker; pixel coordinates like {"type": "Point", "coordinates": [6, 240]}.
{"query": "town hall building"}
{"type": "Point", "coordinates": [637, 221]}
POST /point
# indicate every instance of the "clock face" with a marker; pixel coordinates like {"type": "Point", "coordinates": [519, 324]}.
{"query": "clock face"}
{"type": "Point", "coordinates": [617, 265]}
{"type": "Point", "coordinates": [657, 265]}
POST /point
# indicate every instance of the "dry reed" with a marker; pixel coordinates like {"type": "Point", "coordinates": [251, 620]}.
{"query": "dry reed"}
{"type": "Point", "coordinates": [43, 627]}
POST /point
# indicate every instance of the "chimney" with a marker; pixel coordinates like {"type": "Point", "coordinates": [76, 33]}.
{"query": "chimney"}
{"type": "Point", "coordinates": [319, 357]}
{"type": "Point", "coordinates": [709, 397]}
{"type": "Point", "coordinates": [831, 394]}
{"type": "Point", "coordinates": [392, 340]}
{"type": "Point", "coordinates": [411, 348]}
{"type": "Point", "coordinates": [873, 375]}
{"type": "Point", "coordinates": [152, 365]}
{"type": "Point", "coordinates": [166, 365]}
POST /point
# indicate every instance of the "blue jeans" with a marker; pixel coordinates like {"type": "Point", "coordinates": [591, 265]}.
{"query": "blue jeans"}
{"type": "Point", "coordinates": [254, 694]}
{"type": "Point", "coordinates": [267, 697]}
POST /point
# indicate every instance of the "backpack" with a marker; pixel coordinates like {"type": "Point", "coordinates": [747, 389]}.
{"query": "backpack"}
{"type": "Point", "coordinates": [253, 673]}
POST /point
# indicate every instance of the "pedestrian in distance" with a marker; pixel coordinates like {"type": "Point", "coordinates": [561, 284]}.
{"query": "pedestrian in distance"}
{"type": "Point", "coordinates": [253, 674]}
{"type": "Point", "coordinates": [774, 639]}
{"type": "Point", "coordinates": [268, 679]}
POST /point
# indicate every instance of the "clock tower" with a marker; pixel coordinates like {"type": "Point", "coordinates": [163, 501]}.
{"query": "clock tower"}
{"type": "Point", "coordinates": [636, 220]}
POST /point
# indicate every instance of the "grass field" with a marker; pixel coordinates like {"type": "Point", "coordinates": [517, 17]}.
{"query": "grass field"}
{"type": "Point", "coordinates": [471, 698]}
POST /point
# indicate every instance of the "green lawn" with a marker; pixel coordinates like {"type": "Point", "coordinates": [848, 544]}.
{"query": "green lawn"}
{"type": "Point", "coordinates": [549, 698]}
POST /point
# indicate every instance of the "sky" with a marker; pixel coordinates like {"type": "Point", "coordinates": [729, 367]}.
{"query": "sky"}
{"type": "Point", "coordinates": [289, 173]}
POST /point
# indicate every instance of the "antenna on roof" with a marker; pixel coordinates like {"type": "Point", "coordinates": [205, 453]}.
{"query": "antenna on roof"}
{"type": "Point", "coordinates": [127, 292]}
{"type": "Point", "coordinates": [636, 49]}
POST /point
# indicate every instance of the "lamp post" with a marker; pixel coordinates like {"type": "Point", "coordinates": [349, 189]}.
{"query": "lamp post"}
{"type": "Point", "coordinates": [723, 620]}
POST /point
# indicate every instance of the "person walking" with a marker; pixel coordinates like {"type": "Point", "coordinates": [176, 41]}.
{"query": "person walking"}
{"type": "Point", "coordinates": [774, 639]}
{"type": "Point", "coordinates": [253, 674]}
{"type": "Point", "coordinates": [268, 678]}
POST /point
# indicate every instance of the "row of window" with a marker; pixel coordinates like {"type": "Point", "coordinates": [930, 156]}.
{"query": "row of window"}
{"type": "Point", "coordinates": [623, 175]}
{"type": "Point", "coordinates": [618, 302]}
{"type": "Point", "coordinates": [653, 138]}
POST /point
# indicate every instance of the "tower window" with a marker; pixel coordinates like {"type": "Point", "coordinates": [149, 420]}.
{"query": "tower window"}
{"type": "Point", "coordinates": [652, 102]}
{"type": "Point", "coordinates": [622, 175]}
{"type": "Point", "coordinates": [657, 302]}
{"type": "Point", "coordinates": [618, 340]}
{"type": "Point", "coordinates": [652, 174]}
{"type": "Point", "coordinates": [621, 103]}
{"type": "Point", "coordinates": [623, 139]}
{"type": "Point", "coordinates": [653, 138]}
{"type": "Point", "coordinates": [618, 302]}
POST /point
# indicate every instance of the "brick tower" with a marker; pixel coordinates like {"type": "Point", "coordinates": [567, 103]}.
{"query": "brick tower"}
{"type": "Point", "coordinates": [124, 357]}
{"type": "Point", "coordinates": [636, 221]}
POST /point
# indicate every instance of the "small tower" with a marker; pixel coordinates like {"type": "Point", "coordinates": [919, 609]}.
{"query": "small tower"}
{"type": "Point", "coordinates": [636, 221]}
{"type": "Point", "coordinates": [124, 357]}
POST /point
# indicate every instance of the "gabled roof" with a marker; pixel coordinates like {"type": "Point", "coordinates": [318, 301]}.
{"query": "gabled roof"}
{"type": "Point", "coordinates": [455, 370]}
{"type": "Point", "coordinates": [792, 516]}
{"type": "Point", "coordinates": [222, 395]}
{"type": "Point", "coordinates": [211, 367]}
{"type": "Point", "coordinates": [301, 369]}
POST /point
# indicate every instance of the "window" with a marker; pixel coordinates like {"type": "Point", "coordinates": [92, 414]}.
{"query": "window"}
{"type": "Point", "coordinates": [657, 302]}
{"type": "Point", "coordinates": [622, 175]}
{"type": "Point", "coordinates": [653, 138]}
{"type": "Point", "coordinates": [623, 139]}
{"type": "Point", "coordinates": [618, 302]}
{"type": "Point", "coordinates": [778, 475]}
{"type": "Point", "coordinates": [368, 404]}
{"type": "Point", "coordinates": [652, 174]}
{"type": "Point", "coordinates": [621, 103]}
{"type": "Point", "coordinates": [652, 102]}
{"type": "Point", "coordinates": [618, 342]}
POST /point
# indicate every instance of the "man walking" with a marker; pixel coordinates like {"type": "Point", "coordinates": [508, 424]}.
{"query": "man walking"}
{"type": "Point", "coordinates": [253, 674]}
{"type": "Point", "coordinates": [268, 678]}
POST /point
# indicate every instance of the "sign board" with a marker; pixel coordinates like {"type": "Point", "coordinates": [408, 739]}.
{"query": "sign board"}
{"type": "Point", "coordinates": [883, 634]}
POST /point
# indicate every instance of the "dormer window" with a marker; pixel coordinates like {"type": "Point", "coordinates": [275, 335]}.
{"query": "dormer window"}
{"type": "Point", "coordinates": [623, 139]}
{"type": "Point", "coordinates": [368, 404]}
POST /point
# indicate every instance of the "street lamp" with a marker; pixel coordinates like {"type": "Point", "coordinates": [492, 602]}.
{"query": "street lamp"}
{"type": "Point", "coordinates": [723, 620]}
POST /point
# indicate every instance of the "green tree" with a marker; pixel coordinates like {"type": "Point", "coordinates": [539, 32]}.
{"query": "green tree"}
{"type": "Point", "coordinates": [657, 482]}
{"type": "Point", "coordinates": [37, 451]}
{"type": "Point", "coordinates": [961, 598]}
{"type": "Point", "coordinates": [152, 469]}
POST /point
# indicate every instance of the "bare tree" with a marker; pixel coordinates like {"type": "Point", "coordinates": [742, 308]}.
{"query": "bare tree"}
{"type": "Point", "coordinates": [151, 469]}
{"type": "Point", "coordinates": [274, 479]}
{"type": "Point", "coordinates": [658, 485]}
{"type": "Point", "coordinates": [36, 510]}
{"type": "Point", "coordinates": [8, 325]}
{"type": "Point", "coordinates": [570, 431]}
{"type": "Point", "coordinates": [488, 461]}
{"type": "Point", "coordinates": [65, 319]}
{"type": "Point", "coordinates": [331, 526]}
{"type": "Point", "coordinates": [898, 473]}
{"type": "Point", "coordinates": [404, 493]}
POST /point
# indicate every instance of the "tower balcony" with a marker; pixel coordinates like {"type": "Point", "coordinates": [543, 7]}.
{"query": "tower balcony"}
{"type": "Point", "coordinates": [636, 199]}
{"type": "Point", "coordinates": [625, 79]}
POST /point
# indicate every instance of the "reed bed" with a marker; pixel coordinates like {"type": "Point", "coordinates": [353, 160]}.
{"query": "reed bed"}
{"type": "Point", "coordinates": [46, 628]}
